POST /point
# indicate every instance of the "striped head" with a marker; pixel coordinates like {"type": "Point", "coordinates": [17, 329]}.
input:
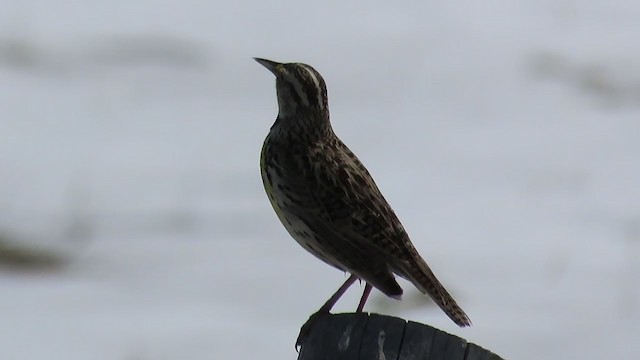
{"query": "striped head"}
{"type": "Point", "coordinates": [300, 88]}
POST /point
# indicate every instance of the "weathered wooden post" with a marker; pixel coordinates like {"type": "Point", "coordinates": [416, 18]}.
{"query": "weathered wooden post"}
{"type": "Point", "coordinates": [365, 336]}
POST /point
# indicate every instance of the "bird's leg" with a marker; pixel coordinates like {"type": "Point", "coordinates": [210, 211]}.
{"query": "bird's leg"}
{"type": "Point", "coordinates": [365, 296]}
{"type": "Point", "coordinates": [338, 294]}
{"type": "Point", "coordinates": [324, 310]}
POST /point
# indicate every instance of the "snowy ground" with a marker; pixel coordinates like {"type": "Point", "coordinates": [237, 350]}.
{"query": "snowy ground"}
{"type": "Point", "coordinates": [504, 133]}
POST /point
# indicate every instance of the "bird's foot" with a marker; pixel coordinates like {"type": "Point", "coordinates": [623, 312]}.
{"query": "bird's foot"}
{"type": "Point", "coordinates": [305, 330]}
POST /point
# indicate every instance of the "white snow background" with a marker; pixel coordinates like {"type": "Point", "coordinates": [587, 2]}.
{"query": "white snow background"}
{"type": "Point", "coordinates": [504, 133]}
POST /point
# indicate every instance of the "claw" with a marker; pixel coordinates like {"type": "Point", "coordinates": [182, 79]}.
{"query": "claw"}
{"type": "Point", "coordinates": [305, 330]}
{"type": "Point", "coordinates": [324, 310]}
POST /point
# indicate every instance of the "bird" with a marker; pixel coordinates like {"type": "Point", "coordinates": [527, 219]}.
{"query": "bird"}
{"type": "Point", "coordinates": [329, 203]}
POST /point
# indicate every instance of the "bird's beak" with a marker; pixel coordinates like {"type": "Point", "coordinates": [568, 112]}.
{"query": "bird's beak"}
{"type": "Point", "coordinates": [272, 66]}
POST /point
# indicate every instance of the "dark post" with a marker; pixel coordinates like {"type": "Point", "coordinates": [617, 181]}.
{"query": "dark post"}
{"type": "Point", "coordinates": [377, 337]}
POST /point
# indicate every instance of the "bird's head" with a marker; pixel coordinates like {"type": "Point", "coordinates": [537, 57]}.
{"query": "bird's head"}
{"type": "Point", "coordinates": [300, 88]}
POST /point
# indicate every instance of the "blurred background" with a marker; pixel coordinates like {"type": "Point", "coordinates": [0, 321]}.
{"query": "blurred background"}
{"type": "Point", "coordinates": [134, 225]}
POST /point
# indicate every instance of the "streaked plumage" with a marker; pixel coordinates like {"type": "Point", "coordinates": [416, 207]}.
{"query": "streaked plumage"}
{"type": "Point", "coordinates": [328, 201]}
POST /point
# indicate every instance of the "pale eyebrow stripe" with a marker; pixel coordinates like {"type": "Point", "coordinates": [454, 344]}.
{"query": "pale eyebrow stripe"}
{"type": "Point", "coordinates": [316, 82]}
{"type": "Point", "coordinates": [297, 86]}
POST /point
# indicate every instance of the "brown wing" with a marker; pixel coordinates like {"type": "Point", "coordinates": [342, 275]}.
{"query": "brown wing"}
{"type": "Point", "coordinates": [358, 211]}
{"type": "Point", "coordinates": [336, 214]}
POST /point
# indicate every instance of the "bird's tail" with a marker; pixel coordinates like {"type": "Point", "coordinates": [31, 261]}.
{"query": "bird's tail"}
{"type": "Point", "coordinates": [423, 278]}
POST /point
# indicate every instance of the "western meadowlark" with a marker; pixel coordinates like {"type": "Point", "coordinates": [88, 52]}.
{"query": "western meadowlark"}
{"type": "Point", "coordinates": [328, 201]}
